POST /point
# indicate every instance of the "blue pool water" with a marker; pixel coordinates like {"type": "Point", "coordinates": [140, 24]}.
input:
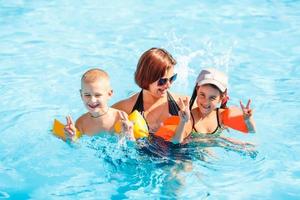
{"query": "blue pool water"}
{"type": "Point", "coordinates": [45, 46]}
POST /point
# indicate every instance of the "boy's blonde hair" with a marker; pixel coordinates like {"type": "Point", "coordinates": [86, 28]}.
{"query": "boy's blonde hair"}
{"type": "Point", "coordinates": [93, 75]}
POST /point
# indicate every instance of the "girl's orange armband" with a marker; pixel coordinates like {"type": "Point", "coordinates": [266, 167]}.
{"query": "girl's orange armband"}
{"type": "Point", "coordinates": [233, 118]}
{"type": "Point", "coordinates": [168, 129]}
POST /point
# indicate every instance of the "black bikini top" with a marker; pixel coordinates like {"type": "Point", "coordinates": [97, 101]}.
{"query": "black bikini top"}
{"type": "Point", "coordinates": [173, 106]}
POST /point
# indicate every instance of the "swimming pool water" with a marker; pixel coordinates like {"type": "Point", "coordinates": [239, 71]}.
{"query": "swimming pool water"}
{"type": "Point", "coordinates": [45, 46]}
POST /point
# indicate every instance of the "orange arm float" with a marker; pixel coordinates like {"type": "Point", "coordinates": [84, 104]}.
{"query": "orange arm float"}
{"type": "Point", "coordinates": [167, 131]}
{"type": "Point", "coordinates": [58, 130]}
{"type": "Point", "coordinates": [233, 118]}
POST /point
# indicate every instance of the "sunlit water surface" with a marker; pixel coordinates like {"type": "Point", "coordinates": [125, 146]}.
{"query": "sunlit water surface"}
{"type": "Point", "coordinates": [45, 46]}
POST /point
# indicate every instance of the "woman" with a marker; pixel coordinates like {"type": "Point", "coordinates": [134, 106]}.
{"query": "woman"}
{"type": "Point", "coordinates": [154, 75]}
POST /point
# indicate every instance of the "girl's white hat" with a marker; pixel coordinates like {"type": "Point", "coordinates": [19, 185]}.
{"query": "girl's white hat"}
{"type": "Point", "coordinates": [214, 77]}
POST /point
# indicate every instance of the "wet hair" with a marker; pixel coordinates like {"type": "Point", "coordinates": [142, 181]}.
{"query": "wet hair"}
{"type": "Point", "coordinates": [93, 75]}
{"type": "Point", "coordinates": [194, 96]}
{"type": "Point", "coordinates": [153, 65]}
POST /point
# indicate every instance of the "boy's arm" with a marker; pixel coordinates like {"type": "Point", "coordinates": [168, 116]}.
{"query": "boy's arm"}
{"type": "Point", "coordinates": [73, 131]}
{"type": "Point", "coordinates": [126, 125]}
{"type": "Point", "coordinates": [79, 124]}
{"type": "Point", "coordinates": [70, 129]}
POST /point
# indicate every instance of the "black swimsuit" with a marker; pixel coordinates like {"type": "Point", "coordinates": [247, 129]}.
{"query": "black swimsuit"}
{"type": "Point", "coordinates": [153, 145]}
{"type": "Point", "coordinates": [139, 105]}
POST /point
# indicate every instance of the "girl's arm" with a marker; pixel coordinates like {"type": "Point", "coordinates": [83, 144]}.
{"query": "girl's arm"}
{"type": "Point", "coordinates": [240, 119]}
{"type": "Point", "coordinates": [183, 129]}
{"type": "Point", "coordinates": [248, 116]}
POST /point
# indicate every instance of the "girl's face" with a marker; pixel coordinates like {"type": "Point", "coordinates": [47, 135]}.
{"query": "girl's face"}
{"type": "Point", "coordinates": [208, 98]}
{"type": "Point", "coordinates": [95, 95]}
{"type": "Point", "coordinates": [160, 87]}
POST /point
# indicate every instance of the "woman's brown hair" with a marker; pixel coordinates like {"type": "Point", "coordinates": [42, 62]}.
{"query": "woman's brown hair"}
{"type": "Point", "coordinates": [153, 65]}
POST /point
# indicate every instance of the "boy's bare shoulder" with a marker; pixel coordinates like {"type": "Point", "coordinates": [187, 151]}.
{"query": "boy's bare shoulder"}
{"type": "Point", "coordinates": [81, 121]}
{"type": "Point", "coordinates": [126, 105]}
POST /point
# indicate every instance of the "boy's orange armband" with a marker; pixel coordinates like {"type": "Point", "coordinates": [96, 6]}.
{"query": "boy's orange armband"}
{"type": "Point", "coordinates": [233, 118]}
{"type": "Point", "coordinates": [58, 130]}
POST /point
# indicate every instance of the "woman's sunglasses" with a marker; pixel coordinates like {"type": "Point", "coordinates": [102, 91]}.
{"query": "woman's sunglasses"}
{"type": "Point", "coordinates": [163, 81]}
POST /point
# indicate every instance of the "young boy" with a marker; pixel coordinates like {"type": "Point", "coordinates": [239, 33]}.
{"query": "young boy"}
{"type": "Point", "coordinates": [95, 93]}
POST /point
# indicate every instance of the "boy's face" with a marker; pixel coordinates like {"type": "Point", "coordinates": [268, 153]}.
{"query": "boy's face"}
{"type": "Point", "coordinates": [95, 95]}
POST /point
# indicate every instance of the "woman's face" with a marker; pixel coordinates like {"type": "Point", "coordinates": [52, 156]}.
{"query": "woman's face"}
{"type": "Point", "coordinates": [160, 87]}
{"type": "Point", "coordinates": [208, 98]}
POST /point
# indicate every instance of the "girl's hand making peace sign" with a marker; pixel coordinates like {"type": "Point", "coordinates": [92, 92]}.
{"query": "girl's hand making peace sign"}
{"type": "Point", "coordinates": [247, 111]}
{"type": "Point", "coordinates": [184, 112]}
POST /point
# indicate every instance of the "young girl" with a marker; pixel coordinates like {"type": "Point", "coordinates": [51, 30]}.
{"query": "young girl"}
{"type": "Point", "coordinates": [207, 117]}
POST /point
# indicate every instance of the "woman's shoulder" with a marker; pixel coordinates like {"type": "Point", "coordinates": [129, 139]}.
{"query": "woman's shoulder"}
{"type": "Point", "coordinates": [117, 112]}
{"type": "Point", "coordinates": [126, 104]}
